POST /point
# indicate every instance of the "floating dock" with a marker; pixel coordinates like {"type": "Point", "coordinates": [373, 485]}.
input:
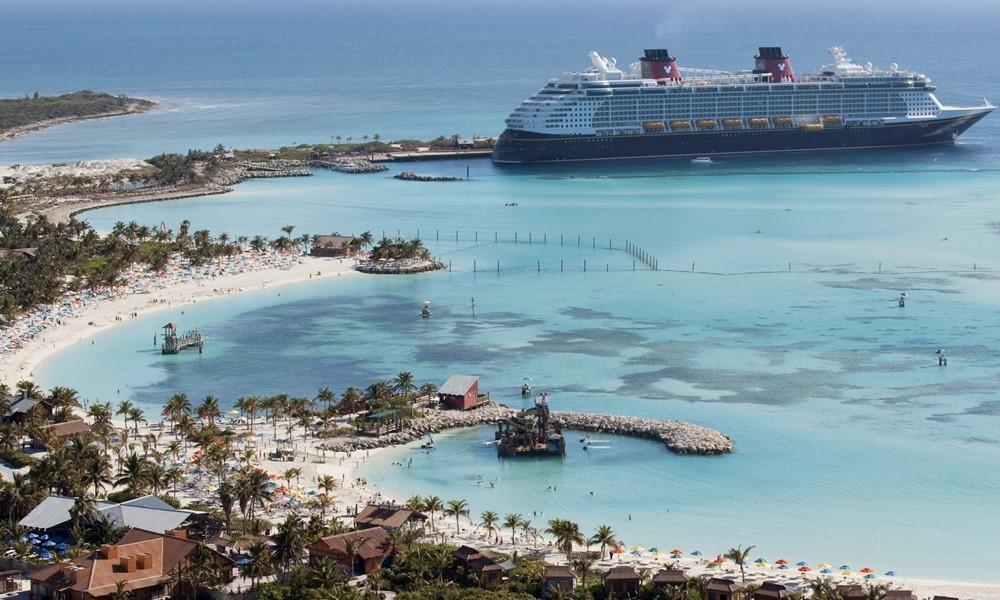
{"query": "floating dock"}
{"type": "Point", "coordinates": [173, 343]}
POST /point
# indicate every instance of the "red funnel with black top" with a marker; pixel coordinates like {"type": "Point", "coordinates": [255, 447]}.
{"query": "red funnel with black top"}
{"type": "Point", "coordinates": [658, 64]}
{"type": "Point", "coordinates": [771, 60]}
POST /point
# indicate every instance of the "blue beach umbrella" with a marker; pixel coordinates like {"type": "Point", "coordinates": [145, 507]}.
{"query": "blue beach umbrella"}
{"type": "Point", "coordinates": [783, 567]}
{"type": "Point", "coordinates": [870, 576]}
{"type": "Point", "coordinates": [845, 568]}
{"type": "Point", "coordinates": [826, 571]}
{"type": "Point", "coordinates": [49, 544]}
{"type": "Point", "coordinates": [696, 553]}
{"type": "Point", "coordinates": [760, 560]}
{"type": "Point", "coordinates": [890, 573]}
{"type": "Point", "coordinates": [801, 563]}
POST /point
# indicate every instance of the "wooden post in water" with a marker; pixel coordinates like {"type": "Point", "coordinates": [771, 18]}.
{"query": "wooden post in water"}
{"type": "Point", "coordinates": [467, 177]}
{"type": "Point", "coordinates": [473, 266]}
{"type": "Point", "coordinates": [437, 235]}
{"type": "Point", "coordinates": [560, 239]}
{"type": "Point", "coordinates": [449, 266]}
{"type": "Point", "coordinates": [418, 234]}
{"type": "Point", "coordinates": [515, 237]}
{"type": "Point", "coordinates": [593, 242]}
{"type": "Point", "coordinates": [498, 266]}
{"type": "Point", "coordinates": [585, 265]}
{"type": "Point", "coordinates": [545, 238]}
{"type": "Point", "coordinates": [529, 238]}
{"type": "Point", "coordinates": [495, 237]}
{"type": "Point", "coordinates": [560, 266]}
{"type": "Point", "coordinates": [538, 266]}
{"type": "Point", "coordinates": [633, 265]}
{"type": "Point", "coordinates": [456, 235]}
{"type": "Point", "coordinates": [577, 241]}
{"type": "Point", "coordinates": [477, 236]}
{"type": "Point", "coordinates": [692, 267]}
{"type": "Point", "coordinates": [609, 243]}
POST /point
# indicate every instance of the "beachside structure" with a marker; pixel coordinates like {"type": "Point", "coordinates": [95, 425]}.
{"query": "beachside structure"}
{"type": "Point", "coordinates": [22, 409]}
{"type": "Point", "coordinates": [150, 564]}
{"type": "Point", "coordinates": [671, 578]}
{"type": "Point", "coordinates": [486, 571]}
{"type": "Point", "coordinates": [52, 515]}
{"type": "Point", "coordinates": [770, 590]}
{"type": "Point", "coordinates": [557, 580]}
{"type": "Point", "coordinates": [461, 392]}
{"type": "Point", "coordinates": [723, 589]}
{"type": "Point", "coordinates": [335, 246]}
{"type": "Point", "coordinates": [852, 592]}
{"type": "Point", "coordinates": [622, 582]}
{"type": "Point", "coordinates": [372, 550]}
{"type": "Point", "coordinates": [381, 422]}
{"type": "Point", "coordinates": [530, 433]}
{"type": "Point", "coordinates": [53, 434]}
{"type": "Point", "coordinates": [392, 518]}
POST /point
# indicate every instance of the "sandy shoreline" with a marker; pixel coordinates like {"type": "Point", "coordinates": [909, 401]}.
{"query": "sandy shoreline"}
{"type": "Point", "coordinates": [103, 314]}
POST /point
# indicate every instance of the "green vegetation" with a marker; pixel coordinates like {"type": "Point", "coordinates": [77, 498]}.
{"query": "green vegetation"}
{"type": "Point", "coordinates": [398, 249]}
{"type": "Point", "coordinates": [36, 109]}
{"type": "Point", "coordinates": [71, 256]}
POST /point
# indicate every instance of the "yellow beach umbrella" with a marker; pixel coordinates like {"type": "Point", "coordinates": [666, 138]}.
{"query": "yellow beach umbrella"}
{"type": "Point", "coordinates": [763, 565]}
{"type": "Point", "coordinates": [823, 565]}
{"type": "Point", "coordinates": [848, 573]}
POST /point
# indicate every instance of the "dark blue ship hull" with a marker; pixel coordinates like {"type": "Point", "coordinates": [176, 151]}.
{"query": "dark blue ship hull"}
{"type": "Point", "coordinates": [515, 146]}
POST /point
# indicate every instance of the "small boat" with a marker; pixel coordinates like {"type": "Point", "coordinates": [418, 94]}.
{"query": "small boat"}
{"type": "Point", "coordinates": [428, 445]}
{"type": "Point", "coordinates": [426, 312]}
{"type": "Point", "coordinates": [680, 124]}
{"type": "Point", "coordinates": [702, 160]}
{"type": "Point", "coordinates": [525, 388]}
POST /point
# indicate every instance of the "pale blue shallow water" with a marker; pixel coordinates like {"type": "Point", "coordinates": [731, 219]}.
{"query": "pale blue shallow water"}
{"type": "Point", "coordinates": [851, 444]}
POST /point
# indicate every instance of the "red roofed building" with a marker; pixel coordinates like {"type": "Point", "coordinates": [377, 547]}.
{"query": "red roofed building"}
{"type": "Point", "coordinates": [150, 565]}
{"type": "Point", "coordinates": [372, 550]}
{"type": "Point", "coordinates": [461, 392]}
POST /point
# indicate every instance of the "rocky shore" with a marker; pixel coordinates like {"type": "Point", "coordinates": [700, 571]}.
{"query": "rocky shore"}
{"type": "Point", "coordinates": [399, 267]}
{"type": "Point", "coordinates": [678, 437]}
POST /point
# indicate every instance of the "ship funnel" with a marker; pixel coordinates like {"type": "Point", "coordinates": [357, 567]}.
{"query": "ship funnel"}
{"type": "Point", "coordinates": [771, 60]}
{"type": "Point", "coordinates": [658, 64]}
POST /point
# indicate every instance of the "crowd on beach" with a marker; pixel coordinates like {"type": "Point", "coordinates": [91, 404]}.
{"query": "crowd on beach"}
{"type": "Point", "coordinates": [137, 280]}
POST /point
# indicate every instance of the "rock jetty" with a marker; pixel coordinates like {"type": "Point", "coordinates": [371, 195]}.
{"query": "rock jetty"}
{"type": "Point", "coordinates": [678, 437]}
{"type": "Point", "coordinates": [399, 267]}
{"type": "Point", "coordinates": [351, 165]}
{"type": "Point", "coordinates": [411, 176]}
{"type": "Point", "coordinates": [263, 170]}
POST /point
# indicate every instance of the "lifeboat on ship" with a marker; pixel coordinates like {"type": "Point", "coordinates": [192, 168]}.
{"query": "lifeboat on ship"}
{"type": "Point", "coordinates": [706, 123]}
{"type": "Point", "coordinates": [653, 125]}
{"type": "Point", "coordinates": [783, 121]}
{"type": "Point", "coordinates": [732, 122]}
{"type": "Point", "coordinates": [832, 119]}
{"type": "Point", "coordinates": [680, 124]}
{"type": "Point", "coordinates": [758, 121]}
{"type": "Point", "coordinates": [812, 127]}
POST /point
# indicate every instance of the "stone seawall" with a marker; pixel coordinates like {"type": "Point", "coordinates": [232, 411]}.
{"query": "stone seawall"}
{"type": "Point", "coordinates": [678, 437]}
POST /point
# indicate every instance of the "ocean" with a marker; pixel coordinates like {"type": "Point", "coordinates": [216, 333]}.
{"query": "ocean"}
{"type": "Point", "coordinates": [773, 317]}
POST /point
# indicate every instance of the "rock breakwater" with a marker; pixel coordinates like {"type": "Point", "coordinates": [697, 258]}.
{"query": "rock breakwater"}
{"type": "Point", "coordinates": [678, 437]}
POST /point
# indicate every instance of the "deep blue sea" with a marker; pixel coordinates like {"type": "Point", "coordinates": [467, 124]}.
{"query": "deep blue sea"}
{"type": "Point", "coordinates": [852, 445]}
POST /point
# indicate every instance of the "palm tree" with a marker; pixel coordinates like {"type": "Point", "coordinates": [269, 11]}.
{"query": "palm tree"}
{"type": "Point", "coordinates": [289, 542]}
{"type": "Point", "coordinates": [327, 483]}
{"type": "Point", "coordinates": [120, 593]}
{"type": "Point", "coordinates": [291, 474]}
{"type": "Point", "coordinates": [566, 533]}
{"type": "Point", "coordinates": [581, 566]}
{"type": "Point", "coordinates": [133, 473]}
{"type": "Point", "coordinates": [457, 509]}
{"type": "Point", "coordinates": [125, 408]}
{"type": "Point", "coordinates": [432, 504]}
{"type": "Point", "coordinates": [403, 384]}
{"type": "Point", "coordinates": [604, 536]}
{"type": "Point", "coordinates": [209, 410]}
{"type": "Point", "coordinates": [258, 563]}
{"type": "Point", "coordinates": [512, 521]}
{"type": "Point", "coordinates": [97, 471]}
{"type": "Point", "coordinates": [740, 555]}
{"type": "Point", "coordinates": [415, 503]}
{"type": "Point", "coordinates": [135, 413]}
{"type": "Point", "coordinates": [489, 521]}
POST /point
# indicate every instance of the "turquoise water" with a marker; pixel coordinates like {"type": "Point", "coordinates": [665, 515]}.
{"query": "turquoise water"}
{"type": "Point", "coordinates": [842, 421]}
{"type": "Point", "coordinates": [851, 444]}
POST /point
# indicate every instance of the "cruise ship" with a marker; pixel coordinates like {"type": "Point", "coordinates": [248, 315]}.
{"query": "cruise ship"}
{"type": "Point", "coordinates": [659, 109]}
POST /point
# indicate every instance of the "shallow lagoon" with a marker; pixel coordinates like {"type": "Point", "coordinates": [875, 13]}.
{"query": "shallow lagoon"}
{"type": "Point", "coordinates": [842, 421]}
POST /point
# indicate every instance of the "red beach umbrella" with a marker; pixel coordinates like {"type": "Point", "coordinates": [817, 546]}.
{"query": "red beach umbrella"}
{"type": "Point", "coordinates": [868, 570]}
{"type": "Point", "coordinates": [804, 569]}
{"type": "Point", "coordinates": [676, 551]}
{"type": "Point", "coordinates": [781, 561]}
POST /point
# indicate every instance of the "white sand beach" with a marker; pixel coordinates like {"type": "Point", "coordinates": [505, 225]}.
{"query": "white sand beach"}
{"type": "Point", "coordinates": [42, 332]}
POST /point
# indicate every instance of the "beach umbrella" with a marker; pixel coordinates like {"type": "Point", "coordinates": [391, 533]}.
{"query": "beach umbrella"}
{"type": "Point", "coordinates": [801, 563]}
{"type": "Point", "coordinates": [49, 544]}
{"type": "Point", "coordinates": [805, 569]}
{"type": "Point", "coordinates": [781, 561]}
{"type": "Point", "coordinates": [845, 568]}
{"type": "Point", "coordinates": [654, 549]}
{"type": "Point", "coordinates": [824, 565]}
{"type": "Point", "coordinates": [637, 549]}
{"type": "Point", "coordinates": [760, 560]}
{"type": "Point", "coordinates": [676, 551]}
{"type": "Point", "coordinates": [696, 553]}
{"type": "Point", "coordinates": [763, 565]}
{"type": "Point", "coordinates": [848, 573]}
{"type": "Point", "coordinates": [636, 553]}
{"type": "Point", "coordinates": [826, 571]}
{"type": "Point", "coordinates": [890, 573]}
{"type": "Point", "coordinates": [867, 570]}
{"type": "Point", "coordinates": [617, 550]}
{"type": "Point", "coordinates": [870, 576]}
{"type": "Point", "coordinates": [782, 567]}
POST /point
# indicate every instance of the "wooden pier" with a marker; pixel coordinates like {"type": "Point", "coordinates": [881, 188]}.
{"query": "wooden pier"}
{"type": "Point", "coordinates": [173, 343]}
